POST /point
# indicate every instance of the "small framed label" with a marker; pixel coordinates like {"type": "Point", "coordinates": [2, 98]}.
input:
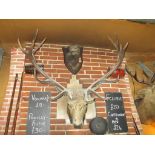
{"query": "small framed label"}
{"type": "Point", "coordinates": [115, 112]}
{"type": "Point", "coordinates": [38, 118]}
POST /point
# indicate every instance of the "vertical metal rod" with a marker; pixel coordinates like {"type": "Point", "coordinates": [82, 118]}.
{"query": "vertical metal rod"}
{"type": "Point", "coordinates": [135, 126]}
{"type": "Point", "coordinates": [11, 104]}
{"type": "Point", "coordinates": [17, 107]}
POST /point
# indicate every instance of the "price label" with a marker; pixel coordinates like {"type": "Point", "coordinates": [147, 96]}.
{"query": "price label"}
{"type": "Point", "coordinates": [38, 119]}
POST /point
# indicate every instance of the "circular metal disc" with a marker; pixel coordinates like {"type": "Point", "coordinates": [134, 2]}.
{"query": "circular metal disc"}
{"type": "Point", "coordinates": [98, 126]}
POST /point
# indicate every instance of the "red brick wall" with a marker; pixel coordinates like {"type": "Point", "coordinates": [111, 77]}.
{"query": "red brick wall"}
{"type": "Point", "coordinates": [95, 63]}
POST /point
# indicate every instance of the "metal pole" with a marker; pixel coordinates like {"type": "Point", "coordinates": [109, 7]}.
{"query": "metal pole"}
{"type": "Point", "coordinates": [135, 126]}
{"type": "Point", "coordinates": [10, 108]}
{"type": "Point", "coordinates": [17, 107]}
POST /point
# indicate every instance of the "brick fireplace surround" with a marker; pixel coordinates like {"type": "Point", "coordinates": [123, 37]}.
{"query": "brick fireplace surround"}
{"type": "Point", "coordinates": [95, 63]}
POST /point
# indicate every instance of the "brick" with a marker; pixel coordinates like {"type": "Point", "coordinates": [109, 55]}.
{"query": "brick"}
{"type": "Point", "coordinates": [49, 57]}
{"type": "Point", "coordinates": [96, 77]}
{"type": "Point", "coordinates": [59, 66]}
{"type": "Point", "coordinates": [63, 79]}
{"type": "Point", "coordinates": [25, 93]}
{"type": "Point", "coordinates": [126, 95]}
{"type": "Point", "coordinates": [3, 123]}
{"type": "Point", "coordinates": [80, 132]}
{"type": "Point", "coordinates": [62, 70]}
{"type": "Point", "coordinates": [91, 64]}
{"type": "Point", "coordinates": [57, 132]}
{"type": "Point", "coordinates": [57, 121]}
{"type": "Point", "coordinates": [110, 89]}
{"type": "Point", "coordinates": [127, 109]}
{"type": "Point", "coordinates": [86, 52]}
{"type": "Point", "coordinates": [101, 115]}
{"type": "Point", "coordinates": [57, 46]}
{"type": "Point", "coordinates": [86, 59]}
{"type": "Point", "coordinates": [50, 50]}
{"type": "Point", "coordinates": [80, 76]}
{"type": "Point", "coordinates": [86, 85]}
{"type": "Point", "coordinates": [100, 104]}
{"type": "Point", "coordinates": [22, 127]}
{"type": "Point", "coordinates": [31, 89]}
{"type": "Point", "coordinates": [98, 68]}
{"type": "Point", "coordinates": [98, 60]}
{"type": "Point", "coordinates": [53, 115]}
{"type": "Point", "coordinates": [30, 84]}
{"type": "Point", "coordinates": [118, 85]}
{"type": "Point", "coordinates": [110, 54]}
{"type": "Point", "coordinates": [23, 115]}
{"type": "Point", "coordinates": [86, 80]}
{"type": "Point", "coordinates": [131, 130]}
{"type": "Point", "coordinates": [60, 127]}
{"type": "Point", "coordinates": [126, 99]}
{"type": "Point", "coordinates": [24, 103]}
{"type": "Point", "coordinates": [105, 57]}
{"type": "Point", "coordinates": [24, 109]}
{"type": "Point", "coordinates": [94, 72]}
{"type": "Point", "coordinates": [54, 110]}
{"type": "Point", "coordinates": [53, 54]}
{"type": "Point", "coordinates": [90, 48]}
{"type": "Point", "coordinates": [130, 124]}
{"type": "Point", "coordinates": [20, 133]}
{"type": "Point", "coordinates": [86, 68]}
{"type": "Point", "coordinates": [127, 104]}
{"type": "Point", "coordinates": [23, 121]}
{"type": "Point", "coordinates": [100, 109]}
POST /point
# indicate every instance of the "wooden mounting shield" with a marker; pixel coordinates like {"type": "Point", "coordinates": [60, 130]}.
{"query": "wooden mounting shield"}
{"type": "Point", "coordinates": [73, 58]}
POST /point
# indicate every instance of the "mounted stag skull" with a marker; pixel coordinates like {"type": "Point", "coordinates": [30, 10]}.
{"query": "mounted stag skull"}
{"type": "Point", "coordinates": [78, 100]}
{"type": "Point", "coordinates": [146, 96]}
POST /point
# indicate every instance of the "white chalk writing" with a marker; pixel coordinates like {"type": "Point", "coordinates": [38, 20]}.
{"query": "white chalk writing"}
{"type": "Point", "coordinates": [43, 98]}
{"type": "Point", "coordinates": [114, 107]}
{"type": "Point", "coordinates": [32, 117]}
{"type": "Point", "coordinates": [113, 98]}
{"type": "Point", "coordinates": [116, 114]}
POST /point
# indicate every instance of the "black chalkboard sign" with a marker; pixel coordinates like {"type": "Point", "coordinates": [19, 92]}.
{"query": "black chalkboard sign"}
{"type": "Point", "coordinates": [115, 112]}
{"type": "Point", "coordinates": [38, 118]}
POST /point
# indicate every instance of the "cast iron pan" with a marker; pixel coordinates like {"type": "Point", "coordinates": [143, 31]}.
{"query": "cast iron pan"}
{"type": "Point", "coordinates": [98, 126]}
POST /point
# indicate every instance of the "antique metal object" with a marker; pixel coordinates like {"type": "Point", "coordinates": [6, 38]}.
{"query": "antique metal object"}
{"type": "Point", "coordinates": [150, 74]}
{"type": "Point", "coordinates": [11, 105]}
{"type": "Point", "coordinates": [135, 126]}
{"type": "Point", "coordinates": [1, 56]}
{"type": "Point", "coordinates": [134, 75]}
{"type": "Point", "coordinates": [17, 106]}
{"type": "Point", "coordinates": [73, 58]}
{"type": "Point", "coordinates": [30, 69]}
{"type": "Point", "coordinates": [84, 96]}
{"type": "Point", "coordinates": [98, 126]}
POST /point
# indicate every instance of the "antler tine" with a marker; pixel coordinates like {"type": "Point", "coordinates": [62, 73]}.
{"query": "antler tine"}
{"type": "Point", "coordinates": [39, 46]}
{"type": "Point", "coordinates": [125, 46]}
{"type": "Point", "coordinates": [48, 80]}
{"type": "Point", "coordinates": [114, 44]}
{"type": "Point", "coordinates": [118, 43]}
{"type": "Point", "coordinates": [121, 53]}
{"type": "Point", "coordinates": [20, 46]}
{"type": "Point", "coordinates": [34, 39]}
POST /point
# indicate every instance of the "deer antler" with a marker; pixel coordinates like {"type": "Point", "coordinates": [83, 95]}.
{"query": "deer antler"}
{"type": "Point", "coordinates": [135, 76]}
{"type": "Point", "coordinates": [48, 80]}
{"type": "Point", "coordinates": [121, 53]}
